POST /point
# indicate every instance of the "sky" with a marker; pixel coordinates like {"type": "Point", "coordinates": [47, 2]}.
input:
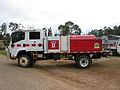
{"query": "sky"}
{"type": "Point", "coordinates": [88, 14]}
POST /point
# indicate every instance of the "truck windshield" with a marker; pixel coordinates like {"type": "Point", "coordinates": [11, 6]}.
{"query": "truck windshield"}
{"type": "Point", "coordinates": [17, 36]}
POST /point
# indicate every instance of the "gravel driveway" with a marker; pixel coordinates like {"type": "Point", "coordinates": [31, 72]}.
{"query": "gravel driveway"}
{"type": "Point", "coordinates": [60, 75]}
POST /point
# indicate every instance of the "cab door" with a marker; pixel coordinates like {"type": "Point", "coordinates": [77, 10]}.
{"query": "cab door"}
{"type": "Point", "coordinates": [17, 41]}
{"type": "Point", "coordinates": [34, 41]}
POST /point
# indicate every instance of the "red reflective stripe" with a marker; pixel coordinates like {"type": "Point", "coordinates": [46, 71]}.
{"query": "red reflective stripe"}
{"type": "Point", "coordinates": [18, 45]}
{"type": "Point", "coordinates": [26, 45]}
{"type": "Point", "coordinates": [33, 44]}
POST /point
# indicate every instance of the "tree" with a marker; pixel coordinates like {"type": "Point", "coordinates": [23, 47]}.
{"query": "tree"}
{"type": "Point", "coordinates": [64, 30]}
{"type": "Point", "coordinates": [118, 32]}
{"type": "Point", "coordinates": [6, 40]}
{"type": "Point", "coordinates": [100, 33]}
{"type": "Point", "coordinates": [13, 26]}
{"type": "Point", "coordinates": [76, 29]}
{"type": "Point", "coordinates": [3, 33]}
{"type": "Point", "coordinates": [4, 28]}
{"type": "Point", "coordinates": [93, 32]}
{"type": "Point", "coordinates": [49, 31]}
{"type": "Point", "coordinates": [106, 31]}
{"type": "Point", "coordinates": [4, 36]}
{"type": "Point", "coordinates": [69, 25]}
{"type": "Point", "coordinates": [68, 28]}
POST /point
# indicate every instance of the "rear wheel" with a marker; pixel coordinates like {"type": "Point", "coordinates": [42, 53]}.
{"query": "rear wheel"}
{"type": "Point", "coordinates": [24, 61]}
{"type": "Point", "coordinates": [84, 61]}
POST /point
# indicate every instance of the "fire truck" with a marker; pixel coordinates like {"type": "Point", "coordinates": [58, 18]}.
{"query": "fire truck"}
{"type": "Point", "coordinates": [29, 46]}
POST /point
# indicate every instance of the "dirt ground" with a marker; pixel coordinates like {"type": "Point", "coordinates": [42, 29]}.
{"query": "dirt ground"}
{"type": "Point", "coordinates": [104, 74]}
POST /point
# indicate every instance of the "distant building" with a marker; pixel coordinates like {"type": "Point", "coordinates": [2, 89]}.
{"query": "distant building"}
{"type": "Point", "coordinates": [113, 37]}
{"type": "Point", "coordinates": [109, 39]}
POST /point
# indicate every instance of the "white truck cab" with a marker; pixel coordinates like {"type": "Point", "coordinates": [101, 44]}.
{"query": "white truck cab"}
{"type": "Point", "coordinates": [26, 41]}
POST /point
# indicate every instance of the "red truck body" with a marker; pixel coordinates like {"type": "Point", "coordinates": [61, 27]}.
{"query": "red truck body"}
{"type": "Point", "coordinates": [84, 44]}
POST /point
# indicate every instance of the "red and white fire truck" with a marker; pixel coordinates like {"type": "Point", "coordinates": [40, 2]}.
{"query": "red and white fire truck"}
{"type": "Point", "coordinates": [29, 46]}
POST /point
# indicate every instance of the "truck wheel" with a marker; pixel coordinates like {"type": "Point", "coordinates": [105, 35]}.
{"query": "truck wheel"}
{"type": "Point", "coordinates": [84, 61]}
{"type": "Point", "coordinates": [24, 61]}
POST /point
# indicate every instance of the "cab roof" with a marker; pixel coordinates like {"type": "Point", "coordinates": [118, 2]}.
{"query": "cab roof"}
{"type": "Point", "coordinates": [34, 30]}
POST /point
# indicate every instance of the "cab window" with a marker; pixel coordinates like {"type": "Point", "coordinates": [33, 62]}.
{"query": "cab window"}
{"type": "Point", "coordinates": [17, 36]}
{"type": "Point", "coordinates": [34, 35]}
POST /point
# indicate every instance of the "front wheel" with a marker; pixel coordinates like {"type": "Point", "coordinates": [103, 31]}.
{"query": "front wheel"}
{"type": "Point", "coordinates": [24, 61]}
{"type": "Point", "coordinates": [84, 61]}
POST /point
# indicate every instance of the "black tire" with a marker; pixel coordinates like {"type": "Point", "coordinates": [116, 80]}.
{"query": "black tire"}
{"type": "Point", "coordinates": [84, 61]}
{"type": "Point", "coordinates": [25, 61]}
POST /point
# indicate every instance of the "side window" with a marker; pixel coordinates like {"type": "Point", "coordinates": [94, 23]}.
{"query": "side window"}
{"type": "Point", "coordinates": [119, 44]}
{"type": "Point", "coordinates": [17, 36]}
{"type": "Point", "coordinates": [34, 35]}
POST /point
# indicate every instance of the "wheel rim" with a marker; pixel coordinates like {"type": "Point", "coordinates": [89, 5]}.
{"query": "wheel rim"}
{"type": "Point", "coordinates": [23, 61]}
{"type": "Point", "coordinates": [84, 62]}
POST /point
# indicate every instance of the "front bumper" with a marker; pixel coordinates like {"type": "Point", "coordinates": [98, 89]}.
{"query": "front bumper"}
{"type": "Point", "coordinates": [12, 57]}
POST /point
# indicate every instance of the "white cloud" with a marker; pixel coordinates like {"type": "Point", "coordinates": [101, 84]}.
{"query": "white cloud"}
{"type": "Point", "coordinates": [88, 14]}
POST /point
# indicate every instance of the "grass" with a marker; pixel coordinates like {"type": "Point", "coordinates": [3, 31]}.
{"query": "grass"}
{"type": "Point", "coordinates": [3, 52]}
